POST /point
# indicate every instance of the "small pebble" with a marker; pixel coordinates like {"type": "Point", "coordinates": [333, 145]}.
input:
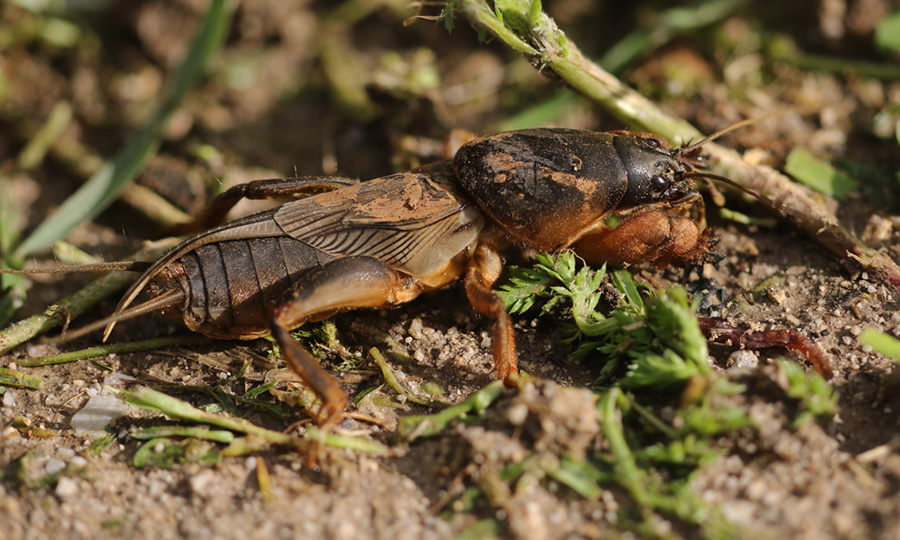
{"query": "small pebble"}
{"type": "Point", "coordinates": [54, 466]}
{"type": "Point", "coordinates": [743, 359]}
{"type": "Point", "coordinates": [203, 482]}
{"type": "Point", "coordinates": [517, 414]}
{"type": "Point", "coordinates": [9, 398]}
{"type": "Point", "coordinates": [99, 412]}
{"type": "Point", "coordinates": [66, 487]}
{"type": "Point", "coordinates": [118, 379]}
{"type": "Point", "coordinates": [415, 329]}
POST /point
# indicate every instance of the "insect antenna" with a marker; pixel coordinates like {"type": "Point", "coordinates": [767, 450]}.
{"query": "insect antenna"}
{"type": "Point", "coordinates": [690, 156]}
{"type": "Point", "coordinates": [686, 150]}
{"type": "Point", "coordinates": [727, 181]}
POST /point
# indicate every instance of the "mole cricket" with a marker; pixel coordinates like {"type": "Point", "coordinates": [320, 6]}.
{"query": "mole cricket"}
{"type": "Point", "coordinates": [385, 241]}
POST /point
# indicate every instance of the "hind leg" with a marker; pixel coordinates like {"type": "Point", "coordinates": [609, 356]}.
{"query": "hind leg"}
{"type": "Point", "coordinates": [351, 282]}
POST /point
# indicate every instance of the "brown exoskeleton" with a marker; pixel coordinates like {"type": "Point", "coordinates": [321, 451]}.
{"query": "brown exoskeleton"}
{"type": "Point", "coordinates": [386, 241]}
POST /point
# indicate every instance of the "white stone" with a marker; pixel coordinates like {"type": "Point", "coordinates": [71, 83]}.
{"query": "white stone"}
{"type": "Point", "coordinates": [99, 412]}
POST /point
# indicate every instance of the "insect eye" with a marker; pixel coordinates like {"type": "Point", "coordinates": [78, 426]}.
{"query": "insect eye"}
{"type": "Point", "coordinates": [658, 182]}
{"type": "Point", "coordinates": [653, 143]}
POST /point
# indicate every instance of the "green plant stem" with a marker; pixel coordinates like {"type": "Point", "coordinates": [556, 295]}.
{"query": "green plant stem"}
{"type": "Point", "coordinates": [12, 377]}
{"type": "Point", "coordinates": [806, 213]}
{"type": "Point", "coordinates": [357, 444]}
{"type": "Point", "coordinates": [198, 432]}
{"type": "Point", "coordinates": [115, 348]}
{"type": "Point", "coordinates": [391, 379]}
{"type": "Point", "coordinates": [881, 342]}
{"type": "Point", "coordinates": [547, 47]}
{"type": "Point", "coordinates": [626, 469]}
{"type": "Point", "coordinates": [782, 48]}
{"type": "Point", "coordinates": [154, 206]}
{"type": "Point", "coordinates": [413, 427]}
{"type": "Point", "coordinates": [57, 122]}
{"type": "Point", "coordinates": [147, 398]}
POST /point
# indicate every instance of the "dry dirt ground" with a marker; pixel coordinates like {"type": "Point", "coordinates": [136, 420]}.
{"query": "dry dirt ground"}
{"type": "Point", "coordinates": [269, 108]}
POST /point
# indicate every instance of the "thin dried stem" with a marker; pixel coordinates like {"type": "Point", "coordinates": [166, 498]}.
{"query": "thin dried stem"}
{"type": "Point", "coordinates": [70, 307]}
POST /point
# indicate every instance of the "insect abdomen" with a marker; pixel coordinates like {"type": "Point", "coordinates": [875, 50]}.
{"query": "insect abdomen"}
{"type": "Point", "coordinates": [232, 285]}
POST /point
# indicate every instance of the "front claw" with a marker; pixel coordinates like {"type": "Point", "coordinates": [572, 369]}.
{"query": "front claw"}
{"type": "Point", "coordinates": [654, 237]}
{"type": "Point", "coordinates": [686, 248]}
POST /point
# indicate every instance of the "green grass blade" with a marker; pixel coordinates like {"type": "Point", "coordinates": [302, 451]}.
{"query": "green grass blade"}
{"type": "Point", "coordinates": [11, 377]}
{"type": "Point", "coordinates": [887, 32]}
{"type": "Point", "coordinates": [881, 342]}
{"type": "Point", "coordinates": [106, 184]}
{"type": "Point", "coordinates": [413, 427]}
{"type": "Point", "coordinates": [391, 379]}
{"type": "Point", "coordinates": [12, 288]}
{"type": "Point", "coordinates": [668, 25]}
{"type": "Point", "coordinates": [627, 472]}
{"type": "Point", "coordinates": [818, 174]}
{"type": "Point", "coordinates": [200, 432]}
{"type": "Point", "coordinates": [116, 348]}
{"type": "Point", "coordinates": [626, 285]}
{"type": "Point", "coordinates": [147, 398]}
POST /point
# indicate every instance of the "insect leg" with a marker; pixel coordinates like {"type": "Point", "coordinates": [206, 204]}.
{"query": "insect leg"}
{"type": "Point", "coordinates": [484, 269]}
{"type": "Point", "coordinates": [276, 188]}
{"type": "Point", "coordinates": [313, 375]}
{"type": "Point", "coordinates": [350, 282]}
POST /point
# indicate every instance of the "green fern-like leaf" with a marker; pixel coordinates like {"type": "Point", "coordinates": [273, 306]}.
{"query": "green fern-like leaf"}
{"type": "Point", "coordinates": [656, 336]}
